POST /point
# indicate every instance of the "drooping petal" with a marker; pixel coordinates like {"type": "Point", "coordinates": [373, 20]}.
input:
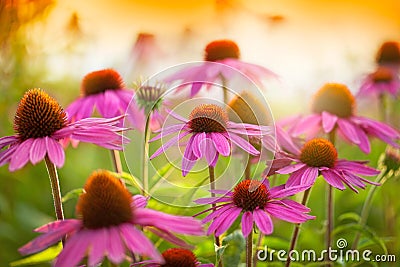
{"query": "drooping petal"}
{"type": "Point", "coordinates": [21, 155]}
{"type": "Point", "coordinates": [291, 168]}
{"type": "Point", "coordinates": [210, 152]}
{"type": "Point", "coordinates": [243, 144]}
{"type": "Point", "coordinates": [218, 212]}
{"type": "Point", "coordinates": [115, 246]}
{"type": "Point", "coordinates": [188, 159]}
{"type": "Point", "coordinates": [328, 121]}
{"type": "Point", "coordinates": [276, 209]}
{"type": "Point", "coordinates": [263, 221]}
{"type": "Point", "coordinates": [7, 140]}
{"type": "Point", "coordinates": [222, 223]}
{"type": "Point", "coordinates": [139, 201]}
{"type": "Point", "coordinates": [55, 152]}
{"type": "Point", "coordinates": [348, 130]}
{"type": "Point", "coordinates": [98, 246]}
{"type": "Point", "coordinates": [356, 167]}
{"type": "Point", "coordinates": [221, 144]}
{"type": "Point", "coordinates": [307, 124]}
{"type": "Point", "coordinates": [333, 179]}
{"type": "Point", "coordinates": [38, 150]}
{"type": "Point", "coordinates": [197, 144]}
{"type": "Point", "coordinates": [168, 144]}
{"type": "Point", "coordinates": [170, 237]}
{"type": "Point", "coordinates": [247, 223]}
{"type": "Point", "coordinates": [74, 250]}
{"type": "Point", "coordinates": [282, 191]}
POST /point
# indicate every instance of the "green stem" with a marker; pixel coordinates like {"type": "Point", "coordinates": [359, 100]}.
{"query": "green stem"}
{"type": "Point", "coordinates": [383, 108]}
{"type": "Point", "coordinates": [224, 89]}
{"type": "Point", "coordinates": [145, 167]}
{"type": "Point", "coordinates": [55, 190]}
{"type": "Point", "coordinates": [381, 178]}
{"type": "Point", "coordinates": [297, 227]}
{"type": "Point", "coordinates": [259, 241]}
{"type": "Point", "coordinates": [211, 173]}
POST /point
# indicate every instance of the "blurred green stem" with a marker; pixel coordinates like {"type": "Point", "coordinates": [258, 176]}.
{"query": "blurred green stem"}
{"type": "Point", "coordinates": [383, 106]}
{"type": "Point", "coordinates": [381, 178]}
{"type": "Point", "coordinates": [296, 231]}
{"type": "Point", "coordinates": [145, 167]}
{"type": "Point", "coordinates": [224, 89]}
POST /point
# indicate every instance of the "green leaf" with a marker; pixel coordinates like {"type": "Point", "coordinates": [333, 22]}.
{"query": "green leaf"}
{"type": "Point", "coordinates": [73, 194]}
{"type": "Point", "coordinates": [349, 216]}
{"type": "Point", "coordinates": [41, 257]}
{"type": "Point", "coordinates": [234, 244]}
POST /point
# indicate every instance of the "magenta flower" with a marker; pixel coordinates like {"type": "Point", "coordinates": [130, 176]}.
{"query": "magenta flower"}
{"type": "Point", "coordinates": [211, 134]}
{"type": "Point", "coordinates": [218, 55]}
{"type": "Point", "coordinates": [109, 225]}
{"type": "Point", "coordinates": [40, 124]}
{"type": "Point", "coordinates": [258, 202]}
{"type": "Point", "coordinates": [103, 90]}
{"type": "Point", "coordinates": [175, 257]}
{"type": "Point", "coordinates": [380, 82]}
{"type": "Point", "coordinates": [319, 157]}
{"type": "Point", "coordinates": [333, 109]}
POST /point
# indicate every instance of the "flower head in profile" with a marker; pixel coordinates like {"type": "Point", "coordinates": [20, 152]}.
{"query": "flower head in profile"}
{"type": "Point", "coordinates": [319, 157]}
{"type": "Point", "coordinates": [257, 203]}
{"type": "Point", "coordinates": [380, 82]}
{"type": "Point", "coordinates": [211, 134]}
{"type": "Point", "coordinates": [388, 55]}
{"type": "Point", "coordinates": [222, 61]}
{"type": "Point", "coordinates": [334, 110]}
{"type": "Point", "coordinates": [104, 91]}
{"type": "Point", "coordinates": [175, 257]}
{"type": "Point", "coordinates": [148, 101]}
{"type": "Point", "coordinates": [108, 224]}
{"type": "Point", "coordinates": [40, 123]}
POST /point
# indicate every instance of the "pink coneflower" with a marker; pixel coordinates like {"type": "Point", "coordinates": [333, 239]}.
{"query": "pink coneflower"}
{"type": "Point", "coordinates": [175, 257]}
{"type": "Point", "coordinates": [258, 202]}
{"type": "Point", "coordinates": [380, 82]}
{"type": "Point", "coordinates": [319, 157]}
{"type": "Point", "coordinates": [226, 53]}
{"type": "Point", "coordinates": [108, 223]}
{"type": "Point", "coordinates": [40, 123]}
{"type": "Point", "coordinates": [103, 90]}
{"type": "Point", "coordinates": [333, 109]}
{"type": "Point", "coordinates": [211, 134]}
{"type": "Point", "coordinates": [148, 101]}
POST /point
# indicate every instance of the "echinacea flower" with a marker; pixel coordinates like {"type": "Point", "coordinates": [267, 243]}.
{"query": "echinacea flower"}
{"type": "Point", "coordinates": [257, 203]}
{"type": "Point", "coordinates": [103, 90]}
{"type": "Point", "coordinates": [333, 109]}
{"type": "Point", "coordinates": [148, 101]}
{"type": "Point", "coordinates": [388, 55]}
{"type": "Point", "coordinates": [41, 123]}
{"type": "Point", "coordinates": [380, 82]}
{"type": "Point", "coordinates": [218, 55]}
{"type": "Point", "coordinates": [175, 257]}
{"type": "Point", "coordinates": [109, 224]}
{"type": "Point", "coordinates": [319, 157]}
{"type": "Point", "coordinates": [211, 134]}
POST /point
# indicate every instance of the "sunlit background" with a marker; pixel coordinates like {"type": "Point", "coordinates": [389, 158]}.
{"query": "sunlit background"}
{"type": "Point", "coordinates": [53, 44]}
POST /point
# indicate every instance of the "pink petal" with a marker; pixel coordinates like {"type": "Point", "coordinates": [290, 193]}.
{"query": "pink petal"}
{"type": "Point", "coordinates": [136, 242]}
{"type": "Point", "coordinates": [282, 191]}
{"type": "Point", "coordinates": [7, 140]}
{"type": "Point", "coordinates": [74, 250]}
{"type": "Point", "coordinates": [356, 167]}
{"type": "Point", "coordinates": [21, 155]}
{"type": "Point", "coordinates": [221, 144]}
{"type": "Point", "coordinates": [291, 168]}
{"type": "Point", "coordinates": [328, 121]}
{"type": "Point", "coordinates": [38, 150]}
{"type": "Point", "coordinates": [55, 152]}
{"type": "Point", "coordinates": [139, 201]}
{"type": "Point", "coordinates": [263, 221]}
{"type": "Point", "coordinates": [333, 179]}
{"type": "Point", "coordinates": [189, 159]}
{"type": "Point", "coordinates": [348, 130]}
{"type": "Point", "coordinates": [98, 244]}
{"type": "Point", "coordinates": [218, 212]}
{"type": "Point", "coordinates": [168, 144]}
{"type": "Point", "coordinates": [307, 124]}
{"type": "Point", "coordinates": [210, 152]}
{"type": "Point", "coordinates": [170, 237]}
{"type": "Point", "coordinates": [64, 226]}
{"type": "Point", "coordinates": [287, 214]}
{"type": "Point", "coordinates": [243, 144]}
{"type": "Point", "coordinates": [108, 104]}
{"type": "Point", "coordinates": [224, 222]}
{"type": "Point", "coordinates": [6, 155]}
{"type": "Point", "coordinates": [115, 246]}
{"type": "Point", "coordinates": [247, 223]}
{"type": "Point", "coordinates": [198, 140]}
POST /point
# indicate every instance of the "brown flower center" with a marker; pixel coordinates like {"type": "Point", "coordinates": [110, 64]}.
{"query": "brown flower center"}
{"type": "Point", "coordinates": [382, 75]}
{"type": "Point", "coordinates": [38, 115]}
{"type": "Point", "coordinates": [334, 98]}
{"type": "Point", "coordinates": [179, 257]}
{"type": "Point", "coordinates": [388, 53]}
{"type": "Point", "coordinates": [105, 202]}
{"type": "Point", "coordinates": [245, 108]}
{"type": "Point", "coordinates": [250, 194]}
{"type": "Point", "coordinates": [319, 153]}
{"type": "Point", "coordinates": [221, 49]}
{"type": "Point", "coordinates": [100, 81]}
{"type": "Point", "coordinates": [208, 118]}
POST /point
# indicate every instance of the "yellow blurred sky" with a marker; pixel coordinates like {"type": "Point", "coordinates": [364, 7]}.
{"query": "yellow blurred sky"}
{"type": "Point", "coordinates": [307, 42]}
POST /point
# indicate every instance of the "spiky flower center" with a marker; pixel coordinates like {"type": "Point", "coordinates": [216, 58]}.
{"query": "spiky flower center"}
{"type": "Point", "coordinates": [38, 115]}
{"type": "Point", "coordinates": [382, 75]}
{"type": "Point", "coordinates": [208, 118]}
{"type": "Point", "coordinates": [319, 153]}
{"type": "Point", "coordinates": [221, 49]}
{"type": "Point", "coordinates": [100, 81]}
{"type": "Point", "coordinates": [389, 53]}
{"type": "Point", "coordinates": [334, 98]}
{"type": "Point", "coordinates": [105, 202]}
{"type": "Point", "coordinates": [149, 97]}
{"type": "Point", "coordinates": [179, 257]}
{"type": "Point", "coordinates": [250, 195]}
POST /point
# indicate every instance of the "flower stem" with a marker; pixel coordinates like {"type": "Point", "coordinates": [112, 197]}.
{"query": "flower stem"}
{"type": "Point", "coordinates": [381, 178]}
{"type": "Point", "coordinates": [116, 160]}
{"type": "Point", "coordinates": [249, 238]}
{"type": "Point", "coordinates": [383, 108]}
{"type": "Point", "coordinates": [212, 187]}
{"type": "Point", "coordinates": [297, 227]}
{"type": "Point", "coordinates": [55, 188]}
{"type": "Point", "coordinates": [145, 167]}
{"type": "Point", "coordinates": [259, 241]}
{"type": "Point", "coordinates": [224, 89]}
